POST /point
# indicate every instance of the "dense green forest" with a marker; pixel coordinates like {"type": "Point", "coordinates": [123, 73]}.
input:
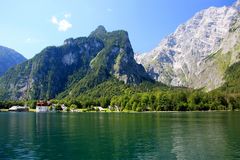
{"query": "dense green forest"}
{"type": "Point", "coordinates": [145, 97]}
{"type": "Point", "coordinates": [150, 96]}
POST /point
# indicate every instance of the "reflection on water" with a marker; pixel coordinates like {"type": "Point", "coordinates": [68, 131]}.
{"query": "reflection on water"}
{"type": "Point", "coordinates": [16, 136]}
{"type": "Point", "coordinates": [120, 136]}
{"type": "Point", "coordinates": [196, 137]}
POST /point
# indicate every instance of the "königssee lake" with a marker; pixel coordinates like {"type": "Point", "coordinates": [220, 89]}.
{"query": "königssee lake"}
{"type": "Point", "coordinates": [188, 135]}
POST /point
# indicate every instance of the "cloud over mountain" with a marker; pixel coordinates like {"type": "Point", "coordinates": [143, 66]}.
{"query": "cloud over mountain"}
{"type": "Point", "coordinates": [63, 24]}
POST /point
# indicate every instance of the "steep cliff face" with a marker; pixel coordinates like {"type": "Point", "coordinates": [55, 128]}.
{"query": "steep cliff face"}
{"type": "Point", "coordinates": [115, 60]}
{"type": "Point", "coordinates": [198, 53]}
{"type": "Point", "coordinates": [118, 58]}
{"type": "Point", "coordinates": [76, 66]}
{"type": "Point", "coordinates": [9, 58]}
{"type": "Point", "coordinates": [49, 72]}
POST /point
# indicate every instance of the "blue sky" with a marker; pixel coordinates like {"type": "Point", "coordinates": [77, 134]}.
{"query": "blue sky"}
{"type": "Point", "coordinates": [28, 26]}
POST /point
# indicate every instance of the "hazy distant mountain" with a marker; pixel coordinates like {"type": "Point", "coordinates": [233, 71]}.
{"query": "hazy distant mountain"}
{"type": "Point", "coordinates": [76, 66]}
{"type": "Point", "coordinates": [9, 58]}
{"type": "Point", "coordinates": [199, 52]}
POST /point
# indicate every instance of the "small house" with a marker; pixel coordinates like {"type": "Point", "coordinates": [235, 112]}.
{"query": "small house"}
{"type": "Point", "coordinates": [42, 106]}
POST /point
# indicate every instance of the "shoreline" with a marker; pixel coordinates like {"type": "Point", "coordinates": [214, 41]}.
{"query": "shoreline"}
{"type": "Point", "coordinates": [83, 111]}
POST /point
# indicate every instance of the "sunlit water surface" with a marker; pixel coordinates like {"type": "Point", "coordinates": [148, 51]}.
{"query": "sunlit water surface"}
{"type": "Point", "coordinates": [183, 136]}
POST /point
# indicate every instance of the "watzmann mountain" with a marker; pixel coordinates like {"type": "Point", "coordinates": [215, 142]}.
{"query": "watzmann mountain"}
{"type": "Point", "coordinates": [75, 67]}
{"type": "Point", "coordinates": [199, 52]}
{"type": "Point", "coordinates": [9, 58]}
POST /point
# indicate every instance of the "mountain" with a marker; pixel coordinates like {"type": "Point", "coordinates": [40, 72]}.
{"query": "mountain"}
{"type": "Point", "coordinates": [232, 80]}
{"type": "Point", "coordinates": [75, 67]}
{"type": "Point", "coordinates": [199, 52]}
{"type": "Point", "coordinates": [9, 58]}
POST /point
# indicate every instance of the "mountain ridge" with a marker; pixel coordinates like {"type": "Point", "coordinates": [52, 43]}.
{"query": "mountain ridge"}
{"type": "Point", "coordinates": [183, 57]}
{"type": "Point", "coordinates": [9, 58]}
{"type": "Point", "coordinates": [74, 67]}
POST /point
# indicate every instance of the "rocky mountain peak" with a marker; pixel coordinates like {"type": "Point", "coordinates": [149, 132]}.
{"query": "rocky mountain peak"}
{"type": "Point", "coordinates": [78, 65]}
{"type": "Point", "coordinates": [99, 32]}
{"type": "Point", "coordinates": [118, 57]}
{"type": "Point", "coordinates": [69, 41]}
{"type": "Point", "coordinates": [101, 28]}
{"type": "Point", "coordinates": [181, 58]}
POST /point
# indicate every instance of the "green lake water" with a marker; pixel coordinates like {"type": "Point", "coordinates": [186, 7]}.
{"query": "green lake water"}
{"type": "Point", "coordinates": [181, 136]}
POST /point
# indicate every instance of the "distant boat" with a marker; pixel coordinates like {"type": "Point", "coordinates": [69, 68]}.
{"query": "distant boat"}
{"type": "Point", "coordinates": [18, 109]}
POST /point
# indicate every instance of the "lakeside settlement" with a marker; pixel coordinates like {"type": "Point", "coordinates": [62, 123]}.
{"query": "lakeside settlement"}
{"type": "Point", "coordinates": [47, 106]}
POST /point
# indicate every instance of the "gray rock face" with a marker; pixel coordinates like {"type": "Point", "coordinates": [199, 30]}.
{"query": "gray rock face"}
{"type": "Point", "coordinates": [197, 54]}
{"type": "Point", "coordinates": [9, 58]}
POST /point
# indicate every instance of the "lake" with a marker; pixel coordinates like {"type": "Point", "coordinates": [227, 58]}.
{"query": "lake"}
{"type": "Point", "coordinates": [174, 135]}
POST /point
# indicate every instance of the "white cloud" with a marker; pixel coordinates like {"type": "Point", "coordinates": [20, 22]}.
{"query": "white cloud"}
{"type": "Point", "coordinates": [63, 24]}
{"type": "Point", "coordinates": [54, 20]}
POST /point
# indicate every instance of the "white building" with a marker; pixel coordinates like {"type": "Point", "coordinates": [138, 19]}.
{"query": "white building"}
{"type": "Point", "coordinates": [42, 106]}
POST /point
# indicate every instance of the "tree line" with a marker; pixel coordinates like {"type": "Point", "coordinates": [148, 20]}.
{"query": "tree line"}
{"type": "Point", "coordinates": [172, 100]}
